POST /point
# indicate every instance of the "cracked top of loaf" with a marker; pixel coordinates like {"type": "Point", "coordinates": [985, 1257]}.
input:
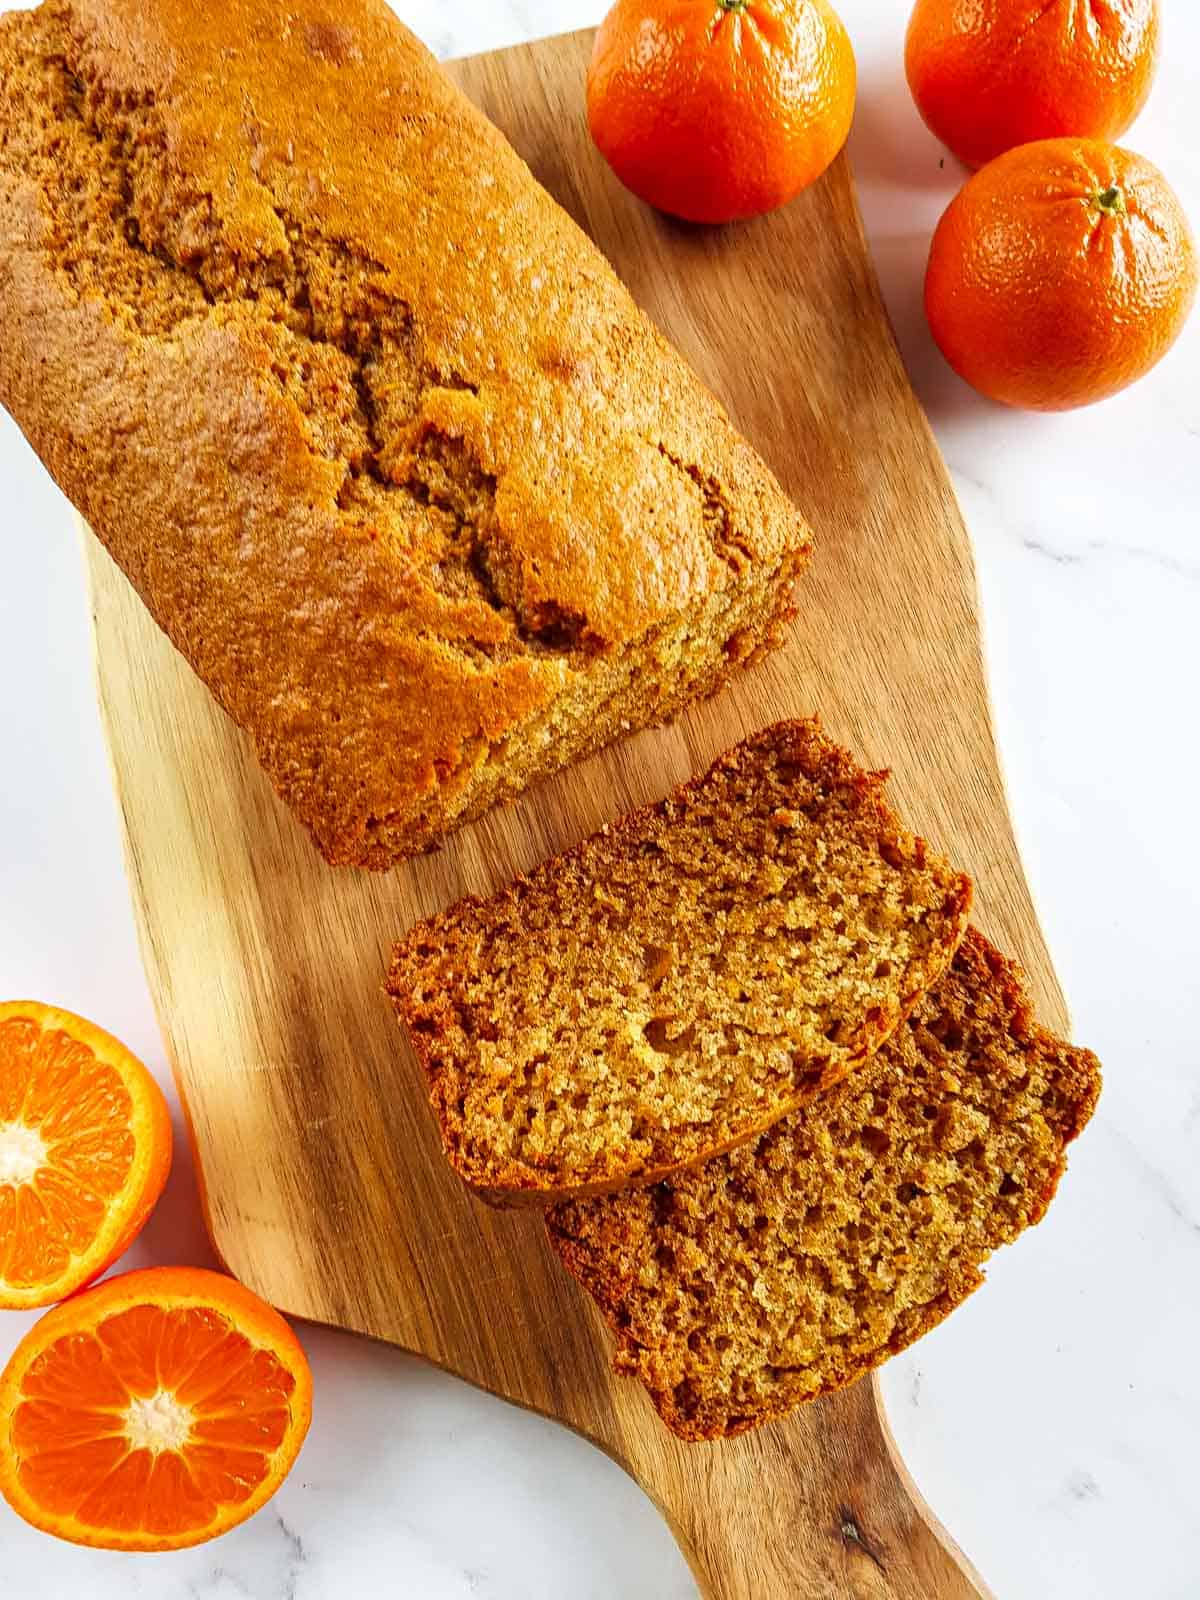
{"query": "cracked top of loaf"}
{"type": "Point", "coordinates": [372, 427]}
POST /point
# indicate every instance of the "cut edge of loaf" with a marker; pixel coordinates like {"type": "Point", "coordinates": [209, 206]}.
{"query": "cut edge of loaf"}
{"type": "Point", "coordinates": [600, 1248]}
{"type": "Point", "coordinates": [576, 726]}
{"type": "Point", "coordinates": [515, 1183]}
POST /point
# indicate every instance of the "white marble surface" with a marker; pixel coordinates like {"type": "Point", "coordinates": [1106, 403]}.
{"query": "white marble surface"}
{"type": "Point", "coordinates": [1052, 1422]}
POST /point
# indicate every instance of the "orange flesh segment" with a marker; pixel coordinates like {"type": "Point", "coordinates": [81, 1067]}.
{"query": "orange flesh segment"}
{"type": "Point", "coordinates": [82, 1111]}
{"type": "Point", "coordinates": [76, 1458]}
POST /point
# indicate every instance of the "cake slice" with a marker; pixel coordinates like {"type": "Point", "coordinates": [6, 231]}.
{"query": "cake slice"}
{"type": "Point", "coordinates": [797, 1263]}
{"type": "Point", "coordinates": [681, 980]}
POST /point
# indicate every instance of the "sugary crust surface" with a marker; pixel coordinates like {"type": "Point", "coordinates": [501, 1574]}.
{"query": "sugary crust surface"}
{"type": "Point", "coordinates": [681, 980]}
{"type": "Point", "coordinates": [372, 427]}
{"type": "Point", "coordinates": [798, 1263]}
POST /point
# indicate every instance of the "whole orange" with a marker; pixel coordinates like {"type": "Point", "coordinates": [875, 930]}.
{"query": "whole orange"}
{"type": "Point", "coordinates": [991, 74]}
{"type": "Point", "coordinates": [718, 109]}
{"type": "Point", "coordinates": [1061, 272]}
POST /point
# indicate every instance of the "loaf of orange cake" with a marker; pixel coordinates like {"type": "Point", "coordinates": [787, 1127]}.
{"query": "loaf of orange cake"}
{"type": "Point", "coordinates": [368, 422]}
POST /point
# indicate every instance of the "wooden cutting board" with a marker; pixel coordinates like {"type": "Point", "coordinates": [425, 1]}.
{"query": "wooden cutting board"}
{"type": "Point", "coordinates": [324, 1186]}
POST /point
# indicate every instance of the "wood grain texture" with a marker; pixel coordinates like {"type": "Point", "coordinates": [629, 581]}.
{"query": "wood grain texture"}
{"type": "Point", "coordinates": [324, 1184]}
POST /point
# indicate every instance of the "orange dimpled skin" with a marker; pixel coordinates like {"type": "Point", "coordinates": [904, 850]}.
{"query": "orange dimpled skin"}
{"type": "Point", "coordinates": [85, 1148]}
{"type": "Point", "coordinates": [713, 110]}
{"type": "Point", "coordinates": [155, 1411]}
{"type": "Point", "coordinates": [991, 74]}
{"type": "Point", "coordinates": [1062, 272]}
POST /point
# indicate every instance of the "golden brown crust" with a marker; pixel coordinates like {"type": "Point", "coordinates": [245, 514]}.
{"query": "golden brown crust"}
{"type": "Point", "coordinates": [372, 427]}
{"type": "Point", "coordinates": [792, 922]}
{"type": "Point", "coordinates": [734, 1301]}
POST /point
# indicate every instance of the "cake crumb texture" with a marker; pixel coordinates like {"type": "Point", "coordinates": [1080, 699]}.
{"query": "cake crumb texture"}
{"type": "Point", "coordinates": [794, 1265]}
{"type": "Point", "coordinates": [682, 979]}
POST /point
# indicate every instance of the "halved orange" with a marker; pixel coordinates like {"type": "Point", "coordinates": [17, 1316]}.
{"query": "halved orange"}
{"type": "Point", "coordinates": [154, 1411]}
{"type": "Point", "coordinates": [85, 1148]}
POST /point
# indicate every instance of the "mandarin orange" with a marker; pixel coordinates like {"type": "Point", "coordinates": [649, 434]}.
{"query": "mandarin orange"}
{"type": "Point", "coordinates": [712, 110]}
{"type": "Point", "coordinates": [1063, 271]}
{"type": "Point", "coordinates": [991, 74]}
{"type": "Point", "coordinates": [154, 1411]}
{"type": "Point", "coordinates": [85, 1148]}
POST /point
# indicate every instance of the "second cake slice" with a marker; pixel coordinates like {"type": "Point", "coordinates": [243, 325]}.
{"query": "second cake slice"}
{"type": "Point", "coordinates": [681, 980]}
{"type": "Point", "coordinates": [796, 1264]}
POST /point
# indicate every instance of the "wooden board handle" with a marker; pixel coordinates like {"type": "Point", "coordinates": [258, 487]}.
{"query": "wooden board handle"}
{"type": "Point", "coordinates": [814, 1508]}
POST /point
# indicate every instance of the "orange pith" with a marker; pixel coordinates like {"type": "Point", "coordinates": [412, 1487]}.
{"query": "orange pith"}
{"type": "Point", "coordinates": [152, 1412]}
{"type": "Point", "coordinates": [85, 1148]}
